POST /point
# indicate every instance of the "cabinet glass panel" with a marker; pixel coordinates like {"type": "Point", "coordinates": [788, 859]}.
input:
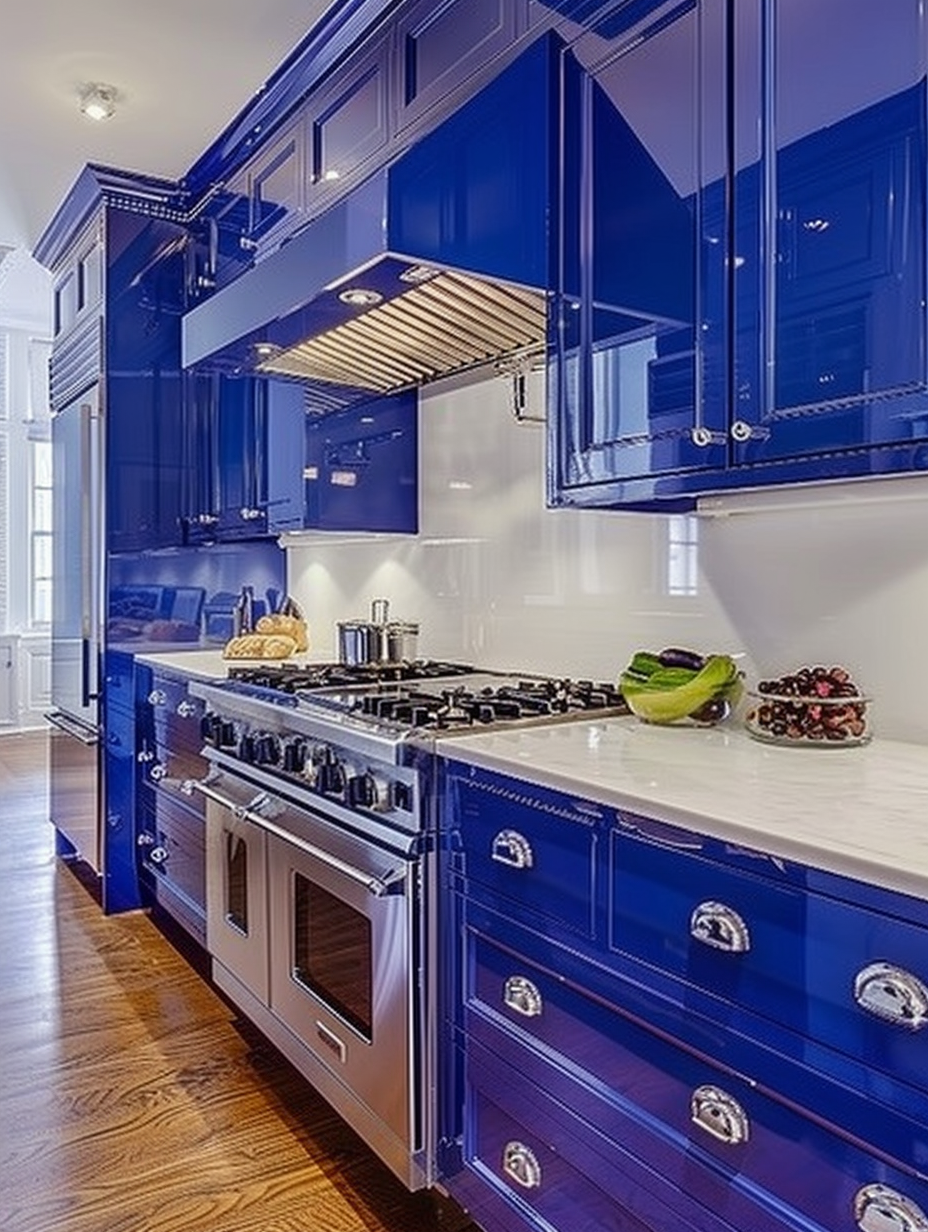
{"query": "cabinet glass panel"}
{"type": "Point", "coordinates": [641, 314]}
{"type": "Point", "coordinates": [833, 184]}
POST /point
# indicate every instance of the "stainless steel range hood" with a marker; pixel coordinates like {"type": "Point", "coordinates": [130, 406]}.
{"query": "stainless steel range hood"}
{"type": "Point", "coordinates": [437, 263]}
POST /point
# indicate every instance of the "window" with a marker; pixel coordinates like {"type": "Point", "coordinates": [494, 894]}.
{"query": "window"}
{"type": "Point", "coordinates": [682, 555]}
{"type": "Point", "coordinates": [41, 533]}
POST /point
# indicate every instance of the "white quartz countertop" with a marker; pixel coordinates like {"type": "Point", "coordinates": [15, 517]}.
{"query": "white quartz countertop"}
{"type": "Point", "coordinates": [209, 664]}
{"type": "Point", "coordinates": [861, 812]}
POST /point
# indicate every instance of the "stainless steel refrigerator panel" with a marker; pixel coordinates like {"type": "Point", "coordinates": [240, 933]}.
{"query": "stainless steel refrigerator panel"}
{"type": "Point", "coordinates": [77, 446]}
{"type": "Point", "coordinates": [73, 785]}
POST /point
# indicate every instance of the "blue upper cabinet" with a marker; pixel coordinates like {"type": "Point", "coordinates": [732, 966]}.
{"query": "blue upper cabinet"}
{"type": "Point", "coordinates": [243, 443]}
{"type": "Point", "coordinates": [143, 403]}
{"type": "Point", "coordinates": [742, 290]}
{"type": "Point", "coordinates": [362, 467]}
{"type": "Point", "coordinates": [439, 46]}
{"type": "Point", "coordinates": [639, 320]}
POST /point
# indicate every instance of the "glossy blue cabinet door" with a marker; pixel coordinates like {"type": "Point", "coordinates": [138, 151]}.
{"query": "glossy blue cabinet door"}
{"type": "Point", "coordinates": [830, 305]}
{"type": "Point", "coordinates": [143, 402]}
{"type": "Point", "coordinates": [640, 316]}
{"type": "Point", "coordinates": [362, 467]}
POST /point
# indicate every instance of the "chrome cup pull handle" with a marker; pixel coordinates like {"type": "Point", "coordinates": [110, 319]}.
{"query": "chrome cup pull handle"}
{"type": "Point", "coordinates": [522, 996]}
{"type": "Point", "coordinates": [893, 994]}
{"type": "Point", "coordinates": [877, 1208]}
{"type": "Point", "coordinates": [720, 1115]}
{"type": "Point", "coordinates": [720, 927]}
{"type": "Point", "coordinates": [521, 1165]}
{"type": "Point", "coordinates": [513, 849]}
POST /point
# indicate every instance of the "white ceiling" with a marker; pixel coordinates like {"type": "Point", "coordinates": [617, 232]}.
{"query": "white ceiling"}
{"type": "Point", "coordinates": [183, 70]}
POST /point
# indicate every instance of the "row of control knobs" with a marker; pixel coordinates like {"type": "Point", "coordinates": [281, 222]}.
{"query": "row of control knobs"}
{"type": "Point", "coordinates": [316, 764]}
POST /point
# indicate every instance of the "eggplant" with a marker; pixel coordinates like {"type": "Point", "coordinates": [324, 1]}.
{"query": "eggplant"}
{"type": "Point", "coordinates": [674, 656]}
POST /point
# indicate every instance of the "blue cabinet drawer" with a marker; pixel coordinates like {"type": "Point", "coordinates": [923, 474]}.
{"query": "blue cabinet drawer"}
{"type": "Point", "coordinates": [755, 1162]}
{"type": "Point", "coordinates": [556, 1170]}
{"type": "Point", "coordinates": [539, 860]}
{"type": "Point", "coordinates": [172, 853]}
{"type": "Point", "coordinates": [853, 979]}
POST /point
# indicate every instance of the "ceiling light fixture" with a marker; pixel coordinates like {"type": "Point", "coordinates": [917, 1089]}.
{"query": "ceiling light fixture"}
{"type": "Point", "coordinates": [360, 297]}
{"type": "Point", "coordinates": [98, 101]}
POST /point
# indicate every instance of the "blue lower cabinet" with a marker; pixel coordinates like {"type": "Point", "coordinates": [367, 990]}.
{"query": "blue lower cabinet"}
{"type": "Point", "coordinates": [853, 979]}
{"type": "Point", "coordinates": [530, 1162]}
{"type": "Point", "coordinates": [120, 882]}
{"type": "Point", "coordinates": [172, 861]}
{"type": "Point", "coordinates": [733, 1150]}
{"type": "Point", "coordinates": [539, 861]}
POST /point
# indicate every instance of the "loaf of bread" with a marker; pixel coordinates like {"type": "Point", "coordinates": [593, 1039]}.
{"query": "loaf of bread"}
{"type": "Point", "coordinates": [289, 626]}
{"type": "Point", "coordinates": [259, 646]}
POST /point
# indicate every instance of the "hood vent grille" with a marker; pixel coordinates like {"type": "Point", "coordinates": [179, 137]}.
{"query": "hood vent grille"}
{"type": "Point", "coordinates": [449, 323]}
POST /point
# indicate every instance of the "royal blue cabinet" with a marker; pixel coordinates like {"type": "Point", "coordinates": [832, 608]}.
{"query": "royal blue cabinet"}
{"type": "Point", "coordinates": [362, 467]}
{"type": "Point", "coordinates": [243, 443]}
{"type": "Point", "coordinates": [663, 1030]}
{"type": "Point", "coordinates": [742, 292]}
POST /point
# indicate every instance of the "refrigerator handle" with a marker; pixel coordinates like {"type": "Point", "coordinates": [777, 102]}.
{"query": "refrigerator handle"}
{"type": "Point", "coordinates": [86, 695]}
{"type": "Point", "coordinates": [90, 549]}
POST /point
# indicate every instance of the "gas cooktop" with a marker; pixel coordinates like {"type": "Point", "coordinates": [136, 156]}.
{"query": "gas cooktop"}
{"type": "Point", "coordinates": [428, 696]}
{"type": "Point", "coordinates": [293, 678]}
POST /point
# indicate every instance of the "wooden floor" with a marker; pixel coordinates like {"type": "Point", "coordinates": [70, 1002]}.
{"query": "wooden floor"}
{"type": "Point", "coordinates": [132, 1099]}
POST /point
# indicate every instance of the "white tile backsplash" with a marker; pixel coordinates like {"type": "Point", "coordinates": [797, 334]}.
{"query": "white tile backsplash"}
{"type": "Point", "coordinates": [495, 578]}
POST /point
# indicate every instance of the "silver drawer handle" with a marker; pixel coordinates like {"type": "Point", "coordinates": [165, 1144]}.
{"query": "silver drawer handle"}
{"type": "Point", "coordinates": [893, 994]}
{"type": "Point", "coordinates": [521, 995]}
{"type": "Point", "coordinates": [720, 1115]}
{"type": "Point", "coordinates": [186, 709]}
{"type": "Point", "coordinates": [158, 772]}
{"type": "Point", "coordinates": [521, 1164]}
{"type": "Point", "coordinates": [157, 697]}
{"type": "Point", "coordinates": [721, 927]}
{"type": "Point", "coordinates": [512, 848]}
{"type": "Point", "coordinates": [877, 1208]}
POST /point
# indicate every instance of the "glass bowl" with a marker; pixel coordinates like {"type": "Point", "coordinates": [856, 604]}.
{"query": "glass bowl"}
{"type": "Point", "coordinates": [818, 722]}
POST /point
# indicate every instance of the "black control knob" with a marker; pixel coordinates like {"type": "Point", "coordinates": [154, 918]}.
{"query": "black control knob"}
{"type": "Point", "coordinates": [210, 725]}
{"type": "Point", "coordinates": [294, 755]}
{"type": "Point", "coordinates": [228, 736]}
{"type": "Point", "coordinates": [248, 748]}
{"type": "Point", "coordinates": [267, 749]}
{"type": "Point", "coordinates": [330, 777]}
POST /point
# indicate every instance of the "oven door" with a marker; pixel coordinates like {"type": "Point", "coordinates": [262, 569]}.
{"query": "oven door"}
{"type": "Point", "coordinates": [236, 894]}
{"type": "Point", "coordinates": [317, 924]}
{"type": "Point", "coordinates": [341, 969]}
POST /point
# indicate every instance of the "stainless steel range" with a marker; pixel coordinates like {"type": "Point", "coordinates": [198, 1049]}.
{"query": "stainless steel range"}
{"type": "Point", "coordinates": [321, 882]}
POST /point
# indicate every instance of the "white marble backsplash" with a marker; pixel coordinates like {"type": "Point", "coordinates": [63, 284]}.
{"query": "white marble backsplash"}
{"type": "Point", "coordinates": [495, 578]}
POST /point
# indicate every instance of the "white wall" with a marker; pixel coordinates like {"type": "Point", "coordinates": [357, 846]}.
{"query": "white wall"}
{"type": "Point", "coordinates": [495, 578]}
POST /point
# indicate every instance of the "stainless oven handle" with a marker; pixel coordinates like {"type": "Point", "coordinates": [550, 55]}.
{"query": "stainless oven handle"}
{"type": "Point", "coordinates": [378, 886]}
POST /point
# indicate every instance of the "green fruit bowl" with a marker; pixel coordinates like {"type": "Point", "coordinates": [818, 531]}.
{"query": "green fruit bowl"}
{"type": "Point", "coordinates": [706, 699]}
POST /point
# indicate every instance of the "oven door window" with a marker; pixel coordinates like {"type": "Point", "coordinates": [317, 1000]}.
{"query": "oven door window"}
{"type": "Point", "coordinates": [333, 954]}
{"type": "Point", "coordinates": [237, 882]}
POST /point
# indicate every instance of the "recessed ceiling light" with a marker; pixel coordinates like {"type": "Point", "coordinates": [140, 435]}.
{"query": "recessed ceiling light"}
{"type": "Point", "coordinates": [98, 101]}
{"type": "Point", "coordinates": [359, 297]}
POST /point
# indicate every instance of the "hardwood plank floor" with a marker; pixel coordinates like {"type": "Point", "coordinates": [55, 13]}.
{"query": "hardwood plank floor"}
{"type": "Point", "coordinates": [132, 1098]}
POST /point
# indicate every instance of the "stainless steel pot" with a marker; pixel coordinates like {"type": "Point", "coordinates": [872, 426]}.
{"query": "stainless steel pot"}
{"type": "Point", "coordinates": [359, 642]}
{"type": "Point", "coordinates": [400, 641]}
{"type": "Point", "coordinates": [362, 643]}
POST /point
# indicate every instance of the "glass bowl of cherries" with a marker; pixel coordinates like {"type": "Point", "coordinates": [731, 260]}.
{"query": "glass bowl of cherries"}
{"type": "Point", "coordinates": [819, 707]}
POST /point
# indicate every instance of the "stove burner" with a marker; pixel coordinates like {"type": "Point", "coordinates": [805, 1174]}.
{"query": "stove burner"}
{"type": "Point", "coordinates": [461, 706]}
{"type": "Point", "coordinates": [292, 678]}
